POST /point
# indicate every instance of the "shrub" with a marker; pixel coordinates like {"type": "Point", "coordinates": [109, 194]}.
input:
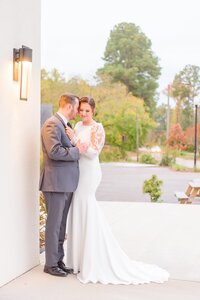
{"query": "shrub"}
{"type": "Point", "coordinates": [147, 159]}
{"type": "Point", "coordinates": [167, 160]}
{"type": "Point", "coordinates": [153, 188]}
{"type": "Point", "coordinates": [43, 217]}
{"type": "Point", "coordinates": [190, 148]}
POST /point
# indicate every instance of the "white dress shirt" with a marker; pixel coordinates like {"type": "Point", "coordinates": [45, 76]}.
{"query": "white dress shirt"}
{"type": "Point", "coordinates": [74, 140]}
{"type": "Point", "coordinates": [63, 118]}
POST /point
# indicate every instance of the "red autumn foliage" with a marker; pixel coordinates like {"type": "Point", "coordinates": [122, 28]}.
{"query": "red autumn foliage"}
{"type": "Point", "coordinates": [177, 139]}
{"type": "Point", "coordinates": [189, 133]}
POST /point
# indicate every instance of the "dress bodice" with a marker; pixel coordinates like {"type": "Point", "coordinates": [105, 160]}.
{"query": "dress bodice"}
{"type": "Point", "coordinates": [93, 135]}
{"type": "Point", "coordinates": [83, 133]}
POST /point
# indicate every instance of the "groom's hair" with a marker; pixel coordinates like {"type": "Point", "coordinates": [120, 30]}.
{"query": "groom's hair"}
{"type": "Point", "coordinates": [67, 98]}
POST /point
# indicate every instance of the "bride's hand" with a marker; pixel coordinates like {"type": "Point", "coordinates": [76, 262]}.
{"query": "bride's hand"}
{"type": "Point", "coordinates": [69, 132]}
{"type": "Point", "coordinates": [82, 146]}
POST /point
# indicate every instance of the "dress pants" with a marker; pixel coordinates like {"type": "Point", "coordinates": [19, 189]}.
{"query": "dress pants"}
{"type": "Point", "coordinates": [57, 205]}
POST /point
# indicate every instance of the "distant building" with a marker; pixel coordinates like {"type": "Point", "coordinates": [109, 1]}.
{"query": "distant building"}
{"type": "Point", "coordinates": [46, 112]}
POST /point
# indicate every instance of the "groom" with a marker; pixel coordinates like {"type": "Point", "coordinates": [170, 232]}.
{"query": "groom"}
{"type": "Point", "coordinates": [59, 179]}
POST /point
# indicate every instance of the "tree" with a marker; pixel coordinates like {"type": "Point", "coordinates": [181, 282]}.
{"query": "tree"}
{"type": "Point", "coordinates": [158, 135]}
{"type": "Point", "coordinates": [129, 59]}
{"type": "Point", "coordinates": [184, 89]}
{"type": "Point", "coordinates": [79, 86]}
{"type": "Point", "coordinates": [117, 110]}
{"type": "Point", "coordinates": [52, 86]}
{"type": "Point", "coordinates": [177, 138]}
{"type": "Point", "coordinates": [190, 133]}
{"type": "Point", "coordinates": [114, 107]}
{"type": "Point", "coordinates": [189, 82]}
{"type": "Point", "coordinates": [160, 116]}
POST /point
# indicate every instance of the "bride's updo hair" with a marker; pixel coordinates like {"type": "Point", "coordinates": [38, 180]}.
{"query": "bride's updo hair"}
{"type": "Point", "coordinates": [89, 100]}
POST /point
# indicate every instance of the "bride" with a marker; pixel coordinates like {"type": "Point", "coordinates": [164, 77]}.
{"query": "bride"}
{"type": "Point", "coordinates": [92, 251]}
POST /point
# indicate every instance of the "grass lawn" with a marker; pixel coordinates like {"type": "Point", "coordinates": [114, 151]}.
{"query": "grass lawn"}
{"type": "Point", "coordinates": [188, 155]}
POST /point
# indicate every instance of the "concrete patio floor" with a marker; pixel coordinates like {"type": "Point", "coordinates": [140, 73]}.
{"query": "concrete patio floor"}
{"type": "Point", "coordinates": [35, 285]}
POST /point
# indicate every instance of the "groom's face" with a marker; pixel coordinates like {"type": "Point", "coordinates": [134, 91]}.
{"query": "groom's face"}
{"type": "Point", "coordinates": [74, 110]}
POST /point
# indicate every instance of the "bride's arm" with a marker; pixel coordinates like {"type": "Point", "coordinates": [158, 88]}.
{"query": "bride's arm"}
{"type": "Point", "coordinates": [97, 140]}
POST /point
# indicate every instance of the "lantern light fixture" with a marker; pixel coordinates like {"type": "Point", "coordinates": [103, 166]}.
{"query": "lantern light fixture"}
{"type": "Point", "coordinates": [22, 62]}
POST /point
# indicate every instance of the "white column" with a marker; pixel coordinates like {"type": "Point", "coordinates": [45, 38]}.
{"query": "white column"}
{"type": "Point", "coordinates": [19, 142]}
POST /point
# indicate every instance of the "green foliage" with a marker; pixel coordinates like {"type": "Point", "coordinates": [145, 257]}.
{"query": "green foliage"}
{"type": "Point", "coordinates": [187, 83]}
{"type": "Point", "coordinates": [118, 111]}
{"type": "Point", "coordinates": [167, 160]}
{"type": "Point", "coordinates": [129, 59]}
{"type": "Point", "coordinates": [52, 86]}
{"type": "Point", "coordinates": [190, 148]}
{"type": "Point", "coordinates": [159, 115]}
{"type": "Point", "coordinates": [43, 217]}
{"type": "Point", "coordinates": [169, 156]}
{"type": "Point", "coordinates": [184, 89]}
{"type": "Point", "coordinates": [153, 188]}
{"type": "Point", "coordinates": [179, 168]}
{"type": "Point", "coordinates": [41, 160]}
{"type": "Point", "coordinates": [79, 86]}
{"type": "Point", "coordinates": [115, 108]}
{"type": "Point", "coordinates": [147, 158]}
{"type": "Point", "coordinates": [112, 154]}
{"type": "Point", "coordinates": [187, 116]}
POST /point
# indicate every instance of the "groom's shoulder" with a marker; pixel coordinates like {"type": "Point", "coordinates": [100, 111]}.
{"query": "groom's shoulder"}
{"type": "Point", "coordinates": [53, 119]}
{"type": "Point", "coordinates": [50, 121]}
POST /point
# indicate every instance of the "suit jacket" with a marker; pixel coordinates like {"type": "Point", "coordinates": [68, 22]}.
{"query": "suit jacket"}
{"type": "Point", "coordinates": [60, 172]}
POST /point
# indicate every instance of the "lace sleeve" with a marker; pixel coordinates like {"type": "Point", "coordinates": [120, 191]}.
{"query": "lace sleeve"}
{"type": "Point", "coordinates": [97, 140]}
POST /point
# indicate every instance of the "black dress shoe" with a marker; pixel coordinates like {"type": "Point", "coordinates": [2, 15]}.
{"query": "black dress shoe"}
{"type": "Point", "coordinates": [55, 271]}
{"type": "Point", "coordinates": [64, 268]}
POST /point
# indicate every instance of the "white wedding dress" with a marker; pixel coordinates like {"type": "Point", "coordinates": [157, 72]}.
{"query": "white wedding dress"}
{"type": "Point", "coordinates": [92, 250]}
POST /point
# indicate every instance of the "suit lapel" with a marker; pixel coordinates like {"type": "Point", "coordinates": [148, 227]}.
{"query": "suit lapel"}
{"type": "Point", "coordinates": [59, 118]}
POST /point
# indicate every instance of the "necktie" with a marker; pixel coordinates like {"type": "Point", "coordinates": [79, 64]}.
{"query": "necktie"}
{"type": "Point", "coordinates": [68, 124]}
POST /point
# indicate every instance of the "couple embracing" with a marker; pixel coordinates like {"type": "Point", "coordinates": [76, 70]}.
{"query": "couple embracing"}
{"type": "Point", "coordinates": [70, 176]}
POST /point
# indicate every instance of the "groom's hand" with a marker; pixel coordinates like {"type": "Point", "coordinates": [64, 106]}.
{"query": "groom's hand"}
{"type": "Point", "coordinates": [82, 147]}
{"type": "Point", "coordinates": [70, 132]}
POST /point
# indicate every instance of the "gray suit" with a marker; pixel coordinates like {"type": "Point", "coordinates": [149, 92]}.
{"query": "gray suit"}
{"type": "Point", "coordinates": [58, 181]}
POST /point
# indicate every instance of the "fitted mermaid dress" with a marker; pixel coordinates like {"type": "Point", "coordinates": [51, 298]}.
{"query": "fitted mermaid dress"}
{"type": "Point", "coordinates": [92, 250]}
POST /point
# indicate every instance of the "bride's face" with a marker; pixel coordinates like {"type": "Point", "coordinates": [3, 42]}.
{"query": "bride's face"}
{"type": "Point", "coordinates": [86, 113]}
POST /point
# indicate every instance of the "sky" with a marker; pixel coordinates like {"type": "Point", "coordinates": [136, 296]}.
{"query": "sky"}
{"type": "Point", "coordinates": [75, 34]}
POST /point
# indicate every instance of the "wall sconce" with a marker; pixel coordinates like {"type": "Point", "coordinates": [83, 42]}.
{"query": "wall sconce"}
{"type": "Point", "coordinates": [22, 62]}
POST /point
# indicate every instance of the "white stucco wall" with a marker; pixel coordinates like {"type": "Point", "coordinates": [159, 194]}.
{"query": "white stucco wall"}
{"type": "Point", "coordinates": [19, 142]}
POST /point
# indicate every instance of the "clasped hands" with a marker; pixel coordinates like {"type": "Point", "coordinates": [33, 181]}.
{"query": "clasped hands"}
{"type": "Point", "coordinates": [82, 147]}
